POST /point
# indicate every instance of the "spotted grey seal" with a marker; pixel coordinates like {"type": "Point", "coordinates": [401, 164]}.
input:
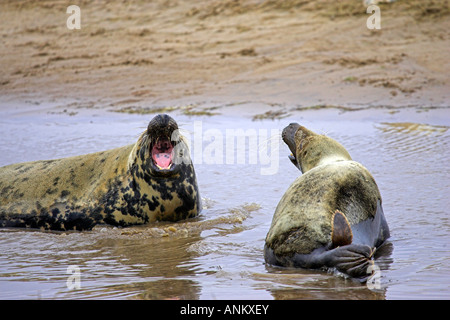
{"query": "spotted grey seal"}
{"type": "Point", "coordinates": [150, 180]}
{"type": "Point", "coordinates": [331, 216]}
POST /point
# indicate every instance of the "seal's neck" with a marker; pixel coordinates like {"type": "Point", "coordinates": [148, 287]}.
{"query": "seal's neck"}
{"type": "Point", "coordinates": [321, 150]}
{"type": "Point", "coordinates": [332, 158]}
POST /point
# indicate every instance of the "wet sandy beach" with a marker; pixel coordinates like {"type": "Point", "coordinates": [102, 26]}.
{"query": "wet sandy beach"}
{"type": "Point", "coordinates": [229, 65]}
{"type": "Point", "coordinates": [158, 54]}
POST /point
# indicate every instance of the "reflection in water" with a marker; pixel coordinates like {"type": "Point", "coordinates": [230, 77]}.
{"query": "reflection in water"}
{"type": "Point", "coordinates": [413, 139]}
{"type": "Point", "coordinates": [417, 180]}
{"type": "Point", "coordinates": [219, 255]}
{"type": "Point", "coordinates": [150, 261]}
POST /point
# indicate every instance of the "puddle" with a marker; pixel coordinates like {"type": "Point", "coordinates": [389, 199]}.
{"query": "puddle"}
{"type": "Point", "coordinates": [219, 255]}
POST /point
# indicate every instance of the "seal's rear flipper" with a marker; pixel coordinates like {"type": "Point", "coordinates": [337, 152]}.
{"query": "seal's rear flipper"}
{"type": "Point", "coordinates": [341, 232]}
{"type": "Point", "coordinates": [352, 259]}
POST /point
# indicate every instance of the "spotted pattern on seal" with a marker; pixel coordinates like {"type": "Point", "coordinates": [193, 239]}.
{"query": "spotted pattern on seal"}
{"type": "Point", "coordinates": [121, 187]}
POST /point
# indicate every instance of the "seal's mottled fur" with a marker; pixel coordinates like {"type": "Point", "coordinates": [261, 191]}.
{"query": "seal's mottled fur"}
{"type": "Point", "coordinates": [301, 230]}
{"type": "Point", "coordinates": [120, 187]}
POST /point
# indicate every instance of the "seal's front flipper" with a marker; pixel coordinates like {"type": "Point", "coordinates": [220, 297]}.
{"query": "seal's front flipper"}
{"type": "Point", "coordinates": [341, 232]}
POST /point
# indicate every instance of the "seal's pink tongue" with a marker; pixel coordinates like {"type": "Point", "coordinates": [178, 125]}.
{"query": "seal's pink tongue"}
{"type": "Point", "coordinates": [162, 153]}
{"type": "Point", "coordinates": [163, 160]}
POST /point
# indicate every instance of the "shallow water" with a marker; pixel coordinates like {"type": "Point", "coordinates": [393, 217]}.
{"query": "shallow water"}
{"type": "Point", "coordinates": [219, 255]}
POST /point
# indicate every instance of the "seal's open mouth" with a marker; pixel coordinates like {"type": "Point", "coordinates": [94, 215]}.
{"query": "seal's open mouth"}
{"type": "Point", "coordinates": [293, 159]}
{"type": "Point", "coordinates": [163, 153]}
{"type": "Point", "coordinates": [288, 136]}
{"type": "Point", "coordinates": [163, 133]}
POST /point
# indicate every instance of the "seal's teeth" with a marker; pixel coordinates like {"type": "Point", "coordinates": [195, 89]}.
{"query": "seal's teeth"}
{"type": "Point", "coordinates": [161, 168]}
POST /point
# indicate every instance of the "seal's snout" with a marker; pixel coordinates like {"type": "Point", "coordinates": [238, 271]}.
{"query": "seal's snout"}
{"type": "Point", "coordinates": [288, 136]}
{"type": "Point", "coordinates": [162, 124]}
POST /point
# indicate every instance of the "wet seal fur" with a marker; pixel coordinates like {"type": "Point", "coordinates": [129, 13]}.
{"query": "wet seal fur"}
{"type": "Point", "coordinates": [153, 179]}
{"type": "Point", "coordinates": [331, 216]}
